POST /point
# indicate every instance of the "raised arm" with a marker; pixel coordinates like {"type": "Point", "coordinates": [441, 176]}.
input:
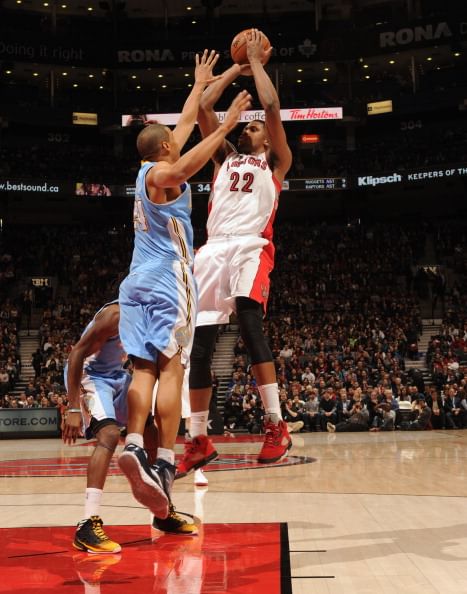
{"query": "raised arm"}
{"type": "Point", "coordinates": [105, 326]}
{"type": "Point", "coordinates": [207, 118]}
{"type": "Point", "coordinates": [167, 175]}
{"type": "Point", "coordinates": [203, 77]}
{"type": "Point", "coordinates": [281, 154]}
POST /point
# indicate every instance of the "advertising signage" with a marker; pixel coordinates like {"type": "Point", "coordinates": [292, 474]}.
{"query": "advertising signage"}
{"type": "Point", "coordinates": [130, 51]}
{"type": "Point", "coordinates": [290, 49]}
{"type": "Point", "coordinates": [36, 186]}
{"type": "Point", "coordinates": [391, 37]}
{"type": "Point", "coordinates": [297, 185]}
{"type": "Point", "coordinates": [48, 51]}
{"type": "Point", "coordinates": [99, 191]}
{"type": "Point", "coordinates": [29, 422]}
{"type": "Point", "coordinates": [411, 176]}
{"type": "Point", "coordinates": [297, 114]}
{"type": "Point", "coordinates": [377, 107]}
{"type": "Point", "coordinates": [84, 119]}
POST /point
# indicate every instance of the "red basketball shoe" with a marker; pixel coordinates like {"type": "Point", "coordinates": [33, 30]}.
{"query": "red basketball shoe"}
{"type": "Point", "coordinates": [277, 441]}
{"type": "Point", "coordinates": [199, 451]}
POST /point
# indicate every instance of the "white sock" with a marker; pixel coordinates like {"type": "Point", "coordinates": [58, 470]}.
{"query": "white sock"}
{"type": "Point", "coordinates": [199, 423]}
{"type": "Point", "coordinates": [167, 455]}
{"type": "Point", "coordinates": [92, 502]}
{"type": "Point", "coordinates": [134, 438]}
{"type": "Point", "coordinates": [270, 396]}
{"type": "Point", "coordinates": [91, 588]}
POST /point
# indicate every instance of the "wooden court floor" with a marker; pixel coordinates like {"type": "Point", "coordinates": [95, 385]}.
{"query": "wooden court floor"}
{"type": "Point", "coordinates": [381, 513]}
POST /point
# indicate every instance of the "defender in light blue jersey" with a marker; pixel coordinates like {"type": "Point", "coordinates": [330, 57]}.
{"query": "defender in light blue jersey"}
{"type": "Point", "coordinates": [95, 378]}
{"type": "Point", "coordinates": [97, 385]}
{"type": "Point", "coordinates": [158, 297]}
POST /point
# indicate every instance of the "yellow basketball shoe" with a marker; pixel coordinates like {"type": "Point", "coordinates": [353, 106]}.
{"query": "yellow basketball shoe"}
{"type": "Point", "coordinates": [175, 524]}
{"type": "Point", "coordinates": [90, 537]}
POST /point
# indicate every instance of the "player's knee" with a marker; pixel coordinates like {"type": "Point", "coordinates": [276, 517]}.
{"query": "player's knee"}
{"type": "Point", "coordinates": [108, 437]}
{"type": "Point", "coordinates": [250, 321]}
{"type": "Point", "coordinates": [200, 373]}
{"type": "Point", "coordinates": [201, 356]}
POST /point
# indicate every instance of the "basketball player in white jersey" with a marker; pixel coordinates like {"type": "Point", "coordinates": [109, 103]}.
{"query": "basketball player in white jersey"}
{"type": "Point", "coordinates": [232, 270]}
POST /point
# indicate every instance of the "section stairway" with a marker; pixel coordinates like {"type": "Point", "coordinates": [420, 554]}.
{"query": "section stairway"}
{"type": "Point", "coordinates": [430, 327]}
{"type": "Point", "coordinates": [28, 343]}
{"type": "Point", "coordinates": [222, 361]}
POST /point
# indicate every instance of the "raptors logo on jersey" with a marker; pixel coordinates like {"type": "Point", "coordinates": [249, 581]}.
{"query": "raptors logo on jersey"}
{"type": "Point", "coordinates": [243, 198]}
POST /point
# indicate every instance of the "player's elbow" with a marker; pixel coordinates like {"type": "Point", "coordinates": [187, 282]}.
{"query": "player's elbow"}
{"type": "Point", "coordinates": [206, 104]}
{"type": "Point", "coordinates": [179, 177]}
{"type": "Point", "coordinates": [271, 105]}
{"type": "Point", "coordinates": [76, 357]}
{"type": "Point", "coordinates": [168, 179]}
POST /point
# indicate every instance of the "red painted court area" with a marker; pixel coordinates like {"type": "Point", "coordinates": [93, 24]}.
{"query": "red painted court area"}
{"type": "Point", "coordinates": [77, 465]}
{"type": "Point", "coordinates": [233, 558]}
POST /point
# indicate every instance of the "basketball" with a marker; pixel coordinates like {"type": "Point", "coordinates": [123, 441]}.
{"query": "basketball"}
{"type": "Point", "coordinates": [238, 47]}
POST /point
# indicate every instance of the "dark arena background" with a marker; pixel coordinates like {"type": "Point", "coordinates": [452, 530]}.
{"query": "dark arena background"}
{"type": "Point", "coordinates": [367, 303]}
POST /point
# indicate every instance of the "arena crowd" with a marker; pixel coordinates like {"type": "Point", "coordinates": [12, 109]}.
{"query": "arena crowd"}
{"type": "Point", "coordinates": [344, 318]}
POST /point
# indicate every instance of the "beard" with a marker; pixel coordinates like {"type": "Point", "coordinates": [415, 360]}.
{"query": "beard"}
{"type": "Point", "coordinates": [244, 145]}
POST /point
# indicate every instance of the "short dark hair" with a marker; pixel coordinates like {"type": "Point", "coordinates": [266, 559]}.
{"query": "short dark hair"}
{"type": "Point", "coordinates": [149, 140]}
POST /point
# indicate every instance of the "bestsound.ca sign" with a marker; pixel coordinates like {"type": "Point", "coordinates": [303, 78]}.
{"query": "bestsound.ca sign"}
{"type": "Point", "coordinates": [27, 186]}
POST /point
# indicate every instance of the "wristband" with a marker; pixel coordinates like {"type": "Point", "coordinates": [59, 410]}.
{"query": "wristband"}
{"type": "Point", "coordinates": [74, 410]}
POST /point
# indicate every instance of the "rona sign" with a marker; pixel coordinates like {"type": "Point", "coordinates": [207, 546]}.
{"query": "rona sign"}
{"type": "Point", "coordinates": [407, 35]}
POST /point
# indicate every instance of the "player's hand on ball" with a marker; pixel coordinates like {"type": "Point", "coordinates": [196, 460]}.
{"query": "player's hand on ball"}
{"type": "Point", "coordinates": [255, 47]}
{"type": "Point", "coordinates": [239, 48]}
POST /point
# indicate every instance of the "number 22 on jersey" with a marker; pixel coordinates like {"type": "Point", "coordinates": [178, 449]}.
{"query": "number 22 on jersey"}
{"type": "Point", "coordinates": [242, 184]}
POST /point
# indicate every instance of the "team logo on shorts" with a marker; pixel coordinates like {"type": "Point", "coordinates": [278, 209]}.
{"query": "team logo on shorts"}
{"type": "Point", "coordinates": [183, 336]}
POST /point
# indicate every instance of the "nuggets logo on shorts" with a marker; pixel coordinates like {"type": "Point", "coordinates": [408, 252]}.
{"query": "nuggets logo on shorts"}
{"type": "Point", "coordinates": [183, 336]}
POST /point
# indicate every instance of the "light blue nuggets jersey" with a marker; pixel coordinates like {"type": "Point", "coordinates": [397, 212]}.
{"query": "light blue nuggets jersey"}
{"type": "Point", "coordinates": [162, 231]}
{"type": "Point", "coordinates": [110, 359]}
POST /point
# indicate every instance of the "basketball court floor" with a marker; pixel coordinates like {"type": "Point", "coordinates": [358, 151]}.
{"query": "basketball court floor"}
{"type": "Point", "coordinates": [381, 513]}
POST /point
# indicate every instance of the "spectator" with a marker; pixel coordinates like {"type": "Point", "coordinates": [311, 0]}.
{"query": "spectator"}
{"type": "Point", "coordinates": [327, 409]}
{"type": "Point", "coordinates": [385, 418]}
{"type": "Point", "coordinates": [311, 410]}
{"type": "Point", "coordinates": [358, 420]}
{"type": "Point", "coordinates": [422, 421]}
{"type": "Point", "coordinates": [4, 381]}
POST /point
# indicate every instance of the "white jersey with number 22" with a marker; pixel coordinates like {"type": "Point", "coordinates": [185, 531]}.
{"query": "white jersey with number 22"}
{"type": "Point", "coordinates": [243, 198]}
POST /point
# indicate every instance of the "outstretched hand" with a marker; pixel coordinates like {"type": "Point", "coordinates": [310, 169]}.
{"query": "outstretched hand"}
{"type": "Point", "coordinates": [204, 67]}
{"type": "Point", "coordinates": [254, 47]}
{"type": "Point", "coordinates": [241, 102]}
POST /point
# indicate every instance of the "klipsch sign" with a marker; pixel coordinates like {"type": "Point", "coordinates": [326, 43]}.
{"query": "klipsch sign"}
{"type": "Point", "coordinates": [411, 176]}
